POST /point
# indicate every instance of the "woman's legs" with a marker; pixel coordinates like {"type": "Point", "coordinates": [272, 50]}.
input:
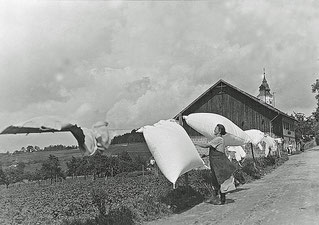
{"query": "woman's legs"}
{"type": "Point", "coordinates": [216, 188]}
{"type": "Point", "coordinates": [222, 169]}
{"type": "Point", "coordinates": [222, 198]}
{"type": "Point", "coordinates": [215, 183]}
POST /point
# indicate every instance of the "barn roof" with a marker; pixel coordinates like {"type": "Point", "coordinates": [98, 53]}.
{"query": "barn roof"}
{"type": "Point", "coordinates": [242, 92]}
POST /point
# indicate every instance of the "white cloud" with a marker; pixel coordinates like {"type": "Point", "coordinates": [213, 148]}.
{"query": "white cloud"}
{"type": "Point", "coordinates": [134, 63]}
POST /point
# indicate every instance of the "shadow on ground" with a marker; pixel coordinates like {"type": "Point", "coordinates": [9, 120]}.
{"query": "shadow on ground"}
{"type": "Point", "coordinates": [238, 190]}
{"type": "Point", "coordinates": [228, 201]}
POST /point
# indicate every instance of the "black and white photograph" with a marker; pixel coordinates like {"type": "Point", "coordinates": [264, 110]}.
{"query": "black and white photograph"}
{"type": "Point", "coordinates": [182, 112]}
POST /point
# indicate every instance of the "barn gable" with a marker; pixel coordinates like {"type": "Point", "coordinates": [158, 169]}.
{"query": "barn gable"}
{"type": "Point", "coordinates": [245, 110]}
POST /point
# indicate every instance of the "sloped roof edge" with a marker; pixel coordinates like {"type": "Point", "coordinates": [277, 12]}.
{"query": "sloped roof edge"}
{"type": "Point", "coordinates": [241, 91]}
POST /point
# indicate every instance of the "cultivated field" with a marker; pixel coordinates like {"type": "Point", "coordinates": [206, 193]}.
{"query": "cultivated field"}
{"type": "Point", "coordinates": [146, 197]}
{"type": "Point", "coordinates": [127, 198]}
{"type": "Point", "coordinates": [34, 160]}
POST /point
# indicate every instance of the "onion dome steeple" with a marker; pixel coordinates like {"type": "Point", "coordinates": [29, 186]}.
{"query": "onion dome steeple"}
{"type": "Point", "coordinates": [264, 91]}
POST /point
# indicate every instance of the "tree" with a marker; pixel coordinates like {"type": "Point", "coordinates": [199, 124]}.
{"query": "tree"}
{"type": "Point", "coordinates": [305, 126]}
{"type": "Point", "coordinates": [99, 164]}
{"type": "Point", "coordinates": [51, 168]}
{"type": "Point", "coordinates": [36, 175]}
{"type": "Point", "coordinates": [30, 148]}
{"type": "Point", "coordinates": [73, 166]}
{"type": "Point", "coordinates": [315, 89]}
{"type": "Point", "coordinates": [133, 137]}
{"type": "Point", "coordinates": [84, 166]}
{"type": "Point", "coordinates": [12, 174]}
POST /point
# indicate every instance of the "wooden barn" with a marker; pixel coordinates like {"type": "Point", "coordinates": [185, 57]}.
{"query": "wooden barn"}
{"type": "Point", "coordinates": [245, 110]}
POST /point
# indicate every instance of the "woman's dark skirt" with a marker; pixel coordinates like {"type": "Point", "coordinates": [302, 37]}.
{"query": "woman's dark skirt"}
{"type": "Point", "coordinates": [221, 167]}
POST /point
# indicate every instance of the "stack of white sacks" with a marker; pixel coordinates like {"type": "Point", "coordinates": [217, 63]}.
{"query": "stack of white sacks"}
{"type": "Point", "coordinates": [176, 154]}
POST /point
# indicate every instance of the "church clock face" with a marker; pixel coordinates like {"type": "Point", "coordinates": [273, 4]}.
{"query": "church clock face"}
{"type": "Point", "coordinates": [269, 100]}
{"type": "Point", "coordinates": [264, 92]}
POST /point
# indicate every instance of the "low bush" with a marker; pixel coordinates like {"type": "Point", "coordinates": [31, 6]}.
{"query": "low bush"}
{"type": "Point", "coordinates": [182, 198]}
{"type": "Point", "coordinates": [134, 174]}
{"type": "Point", "coordinates": [250, 169]}
{"type": "Point", "coordinates": [119, 216]}
{"type": "Point", "coordinates": [317, 139]}
{"type": "Point", "coordinates": [310, 144]}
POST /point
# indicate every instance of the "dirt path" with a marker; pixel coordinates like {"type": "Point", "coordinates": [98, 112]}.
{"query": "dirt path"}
{"type": "Point", "coordinates": [289, 195]}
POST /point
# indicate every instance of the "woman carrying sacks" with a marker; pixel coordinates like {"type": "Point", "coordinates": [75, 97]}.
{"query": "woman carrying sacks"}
{"type": "Point", "coordinates": [221, 168]}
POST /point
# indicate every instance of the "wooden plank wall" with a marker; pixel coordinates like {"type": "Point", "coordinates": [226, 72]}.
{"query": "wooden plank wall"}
{"type": "Point", "coordinates": [241, 114]}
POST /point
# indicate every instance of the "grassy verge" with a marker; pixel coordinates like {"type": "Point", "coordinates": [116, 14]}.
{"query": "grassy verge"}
{"type": "Point", "coordinates": [310, 144]}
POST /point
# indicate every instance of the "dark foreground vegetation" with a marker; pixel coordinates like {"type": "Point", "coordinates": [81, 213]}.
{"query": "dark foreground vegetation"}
{"type": "Point", "coordinates": [127, 198]}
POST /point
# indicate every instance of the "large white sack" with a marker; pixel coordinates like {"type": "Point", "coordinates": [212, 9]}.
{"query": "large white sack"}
{"type": "Point", "coordinates": [89, 141]}
{"type": "Point", "coordinates": [205, 124]}
{"type": "Point", "coordinates": [239, 152]}
{"type": "Point", "coordinates": [100, 128]}
{"type": "Point", "coordinates": [172, 149]}
{"type": "Point", "coordinates": [255, 135]}
{"type": "Point", "coordinates": [270, 143]}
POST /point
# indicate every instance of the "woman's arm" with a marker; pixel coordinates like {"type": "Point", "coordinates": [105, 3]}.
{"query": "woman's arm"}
{"type": "Point", "coordinates": [203, 145]}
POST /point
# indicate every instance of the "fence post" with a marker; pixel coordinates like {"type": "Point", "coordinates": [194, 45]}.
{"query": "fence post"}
{"type": "Point", "coordinates": [278, 148]}
{"type": "Point", "coordinates": [253, 155]}
{"type": "Point", "coordinates": [180, 121]}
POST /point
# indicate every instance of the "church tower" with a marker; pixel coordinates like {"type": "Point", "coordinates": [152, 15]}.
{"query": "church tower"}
{"type": "Point", "coordinates": [264, 92]}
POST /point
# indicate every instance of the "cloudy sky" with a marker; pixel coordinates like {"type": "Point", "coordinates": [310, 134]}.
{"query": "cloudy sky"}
{"type": "Point", "coordinates": [136, 62]}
